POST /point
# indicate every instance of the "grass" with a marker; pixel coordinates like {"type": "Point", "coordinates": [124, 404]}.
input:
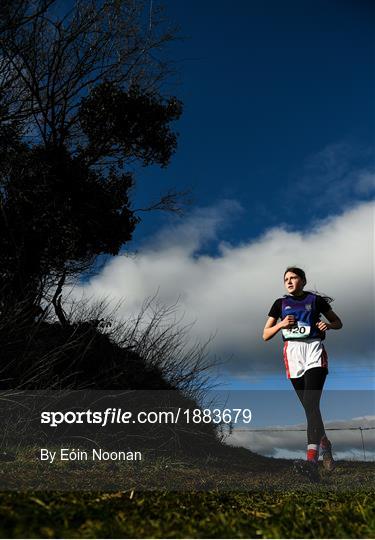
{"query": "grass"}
{"type": "Point", "coordinates": [238, 501]}
{"type": "Point", "coordinates": [187, 515]}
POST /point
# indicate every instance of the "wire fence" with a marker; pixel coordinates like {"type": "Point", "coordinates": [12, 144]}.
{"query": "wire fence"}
{"type": "Point", "coordinates": [269, 430]}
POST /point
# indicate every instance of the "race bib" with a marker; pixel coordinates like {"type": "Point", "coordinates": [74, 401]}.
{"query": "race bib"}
{"type": "Point", "coordinates": [300, 331]}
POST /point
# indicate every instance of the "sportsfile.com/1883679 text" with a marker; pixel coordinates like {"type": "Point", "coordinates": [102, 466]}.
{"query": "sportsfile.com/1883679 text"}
{"type": "Point", "coordinates": [113, 415]}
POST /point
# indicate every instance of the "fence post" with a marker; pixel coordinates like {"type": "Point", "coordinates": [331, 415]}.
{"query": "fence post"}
{"type": "Point", "coordinates": [363, 444]}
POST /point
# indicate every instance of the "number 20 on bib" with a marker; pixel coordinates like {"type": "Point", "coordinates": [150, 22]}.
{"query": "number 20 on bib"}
{"type": "Point", "coordinates": [300, 331]}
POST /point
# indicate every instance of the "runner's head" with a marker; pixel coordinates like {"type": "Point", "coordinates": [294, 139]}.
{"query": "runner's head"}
{"type": "Point", "coordinates": [294, 280]}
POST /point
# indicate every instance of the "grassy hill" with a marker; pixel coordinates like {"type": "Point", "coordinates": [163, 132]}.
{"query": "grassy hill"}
{"type": "Point", "coordinates": [225, 492]}
{"type": "Point", "coordinates": [239, 501]}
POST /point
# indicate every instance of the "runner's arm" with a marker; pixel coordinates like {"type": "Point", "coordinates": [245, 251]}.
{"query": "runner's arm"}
{"type": "Point", "coordinates": [272, 326]}
{"type": "Point", "coordinates": [333, 324]}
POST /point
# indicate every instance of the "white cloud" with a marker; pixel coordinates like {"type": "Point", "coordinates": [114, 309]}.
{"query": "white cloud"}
{"type": "Point", "coordinates": [347, 443]}
{"type": "Point", "coordinates": [230, 293]}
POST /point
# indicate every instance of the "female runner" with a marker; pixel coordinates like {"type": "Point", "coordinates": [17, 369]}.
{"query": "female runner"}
{"type": "Point", "coordinates": [305, 357]}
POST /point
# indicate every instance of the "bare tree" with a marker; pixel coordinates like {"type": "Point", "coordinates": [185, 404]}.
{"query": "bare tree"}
{"type": "Point", "coordinates": [59, 57]}
{"type": "Point", "coordinates": [80, 100]}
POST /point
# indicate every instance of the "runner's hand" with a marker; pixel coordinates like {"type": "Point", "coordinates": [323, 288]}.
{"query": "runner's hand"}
{"type": "Point", "coordinates": [323, 326]}
{"type": "Point", "coordinates": [288, 322]}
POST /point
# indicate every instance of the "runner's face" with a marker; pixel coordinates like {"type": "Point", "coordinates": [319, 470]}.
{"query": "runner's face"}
{"type": "Point", "coordinates": [294, 284]}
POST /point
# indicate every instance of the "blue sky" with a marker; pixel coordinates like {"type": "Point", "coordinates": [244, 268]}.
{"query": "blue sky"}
{"type": "Point", "coordinates": [278, 116]}
{"type": "Point", "coordinates": [276, 143]}
{"type": "Point", "coordinates": [275, 96]}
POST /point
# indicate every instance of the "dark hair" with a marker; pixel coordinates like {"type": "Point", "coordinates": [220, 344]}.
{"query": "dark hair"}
{"type": "Point", "coordinates": [302, 275]}
{"type": "Point", "coordinates": [297, 271]}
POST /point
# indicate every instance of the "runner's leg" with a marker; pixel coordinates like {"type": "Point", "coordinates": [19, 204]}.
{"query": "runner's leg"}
{"type": "Point", "coordinates": [299, 386]}
{"type": "Point", "coordinates": [309, 389]}
{"type": "Point", "coordinates": [314, 382]}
